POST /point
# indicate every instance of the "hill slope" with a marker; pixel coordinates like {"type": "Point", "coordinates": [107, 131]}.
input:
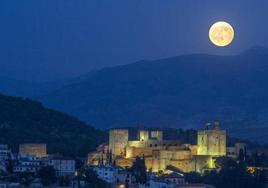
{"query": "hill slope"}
{"type": "Point", "coordinates": [31, 89]}
{"type": "Point", "coordinates": [183, 91]}
{"type": "Point", "coordinates": [25, 121]}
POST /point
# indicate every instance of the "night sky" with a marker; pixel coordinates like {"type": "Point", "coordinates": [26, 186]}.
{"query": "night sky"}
{"type": "Point", "coordinates": [44, 40]}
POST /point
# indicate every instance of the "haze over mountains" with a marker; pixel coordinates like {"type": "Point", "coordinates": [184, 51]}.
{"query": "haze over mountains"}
{"type": "Point", "coordinates": [184, 91]}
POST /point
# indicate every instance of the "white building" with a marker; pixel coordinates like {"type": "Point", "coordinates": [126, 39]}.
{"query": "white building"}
{"type": "Point", "coordinates": [160, 184]}
{"type": "Point", "coordinates": [63, 166]}
{"type": "Point", "coordinates": [106, 173]}
{"type": "Point", "coordinates": [5, 184]}
{"type": "Point", "coordinates": [27, 163]}
{"type": "Point", "coordinates": [3, 166]}
{"type": "Point", "coordinates": [114, 174]}
{"type": "Point", "coordinates": [36, 183]}
{"type": "Point", "coordinates": [78, 183]}
{"type": "Point", "coordinates": [4, 152]}
{"type": "Point", "coordinates": [172, 180]}
{"type": "Point", "coordinates": [175, 178]}
{"type": "Point", "coordinates": [234, 151]}
{"type": "Point", "coordinates": [5, 155]}
{"type": "Point", "coordinates": [196, 186]}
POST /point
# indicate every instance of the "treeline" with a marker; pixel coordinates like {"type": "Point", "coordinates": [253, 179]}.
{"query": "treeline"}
{"type": "Point", "coordinates": [234, 173]}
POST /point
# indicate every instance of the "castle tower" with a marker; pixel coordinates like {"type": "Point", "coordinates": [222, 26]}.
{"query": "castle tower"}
{"type": "Point", "coordinates": [211, 141]}
{"type": "Point", "coordinates": [157, 135]}
{"type": "Point", "coordinates": [118, 139]}
{"type": "Point", "coordinates": [143, 135]}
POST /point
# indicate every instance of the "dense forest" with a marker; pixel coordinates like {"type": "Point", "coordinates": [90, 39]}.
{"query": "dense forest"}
{"type": "Point", "coordinates": [27, 121]}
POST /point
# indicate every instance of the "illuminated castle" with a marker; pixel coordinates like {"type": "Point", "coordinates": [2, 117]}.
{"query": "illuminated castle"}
{"type": "Point", "coordinates": [162, 154]}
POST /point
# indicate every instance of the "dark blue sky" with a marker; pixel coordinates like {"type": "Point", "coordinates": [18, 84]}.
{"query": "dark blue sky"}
{"type": "Point", "coordinates": [54, 39]}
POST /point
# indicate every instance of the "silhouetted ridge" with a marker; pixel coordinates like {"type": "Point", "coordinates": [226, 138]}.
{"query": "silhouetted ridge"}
{"type": "Point", "coordinates": [257, 50]}
{"type": "Point", "coordinates": [26, 121]}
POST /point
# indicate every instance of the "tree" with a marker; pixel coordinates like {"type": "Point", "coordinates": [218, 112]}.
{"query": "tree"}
{"type": "Point", "coordinates": [64, 181]}
{"type": "Point", "coordinates": [47, 175]}
{"type": "Point", "coordinates": [25, 178]}
{"type": "Point", "coordinates": [10, 164]}
{"type": "Point", "coordinates": [241, 156]}
{"type": "Point", "coordinates": [230, 174]}
{"type": "Point", "coordinates": [193, 177]}
{"type": "Point", "coordinates": [225, 162]}
{"type": "Point", "coordinates": [102, 161]}
{"type": "Point", "coordinates": [138, 170]}
{"type": "Point", "coordinates": [110, 157]}
{"type": "Point", "coordinates": [92, 179]}
{"type": "Point", "coordinates": [78, 163]}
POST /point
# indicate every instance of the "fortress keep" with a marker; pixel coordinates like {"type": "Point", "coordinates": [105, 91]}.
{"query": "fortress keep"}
{"type": "Point", "coordinates": [212, 140]}
{"type": "Point", "coordinates": [160, 154]}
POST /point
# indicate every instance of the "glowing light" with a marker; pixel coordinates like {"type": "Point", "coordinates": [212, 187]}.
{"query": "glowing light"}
{"type": "Point", "coordinates": [121, 186]}
{"type": "Point", "coordinates": [221, 34]}
{"type": "Point", "coordinates": [251, 170]}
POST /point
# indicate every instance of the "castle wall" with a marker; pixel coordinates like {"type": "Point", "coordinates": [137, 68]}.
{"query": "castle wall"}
{"type": "Point", "coordinates": [155, 143]}
{"type": "Point", "coordinates": [100, 155]}
{"type": "Point", "coordinates": [133, 152]}
{"type": "Point", "coordinates": [177, 158]}
{"type": "Point", "coordinates": [193, 149]}
{"type": "Point", "coordinates": [184, 165]}
{"type": "Point", "coordinates": [181, 154]}
{"type": "Point", "coordinates": [124, 162]}
{"type": "Point", "coordinates": [149, 163]}
{"type": "Point", "coordinates": [202, 162]}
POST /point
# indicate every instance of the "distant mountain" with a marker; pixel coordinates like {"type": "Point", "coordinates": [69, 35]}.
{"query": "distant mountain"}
{"type": "Point", "coordinates": [26, 121]}
{"type": "Point", "coordinates": [22, 88]}
{"type": "Point", "coordinates": [184, 91]}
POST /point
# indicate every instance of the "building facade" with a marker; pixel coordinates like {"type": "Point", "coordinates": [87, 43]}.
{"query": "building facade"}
{"type": "Point", "coordinates": [38, 150]}
{"type": "Point", "coordinates": [27, 163]}
{"type": "Point", "coordinates": [114, 174]}
{"type": "Point", "coordinates": [5, 152]}
{"type": "Point", "coordinates": [63, 166]}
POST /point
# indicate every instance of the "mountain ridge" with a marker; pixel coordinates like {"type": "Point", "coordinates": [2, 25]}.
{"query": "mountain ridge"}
{"type": "Point", "coordinates": [184, 91]}
{"type": "Point", "coordinates": [197, 62]}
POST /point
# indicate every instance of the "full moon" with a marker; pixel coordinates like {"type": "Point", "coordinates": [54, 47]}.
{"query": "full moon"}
{"type": "Point", "coordinates": [221, 34]}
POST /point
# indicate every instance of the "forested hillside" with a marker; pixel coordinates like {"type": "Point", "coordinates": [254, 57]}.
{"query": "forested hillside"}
{"type": "Point", "coordinates": [24, 121]}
